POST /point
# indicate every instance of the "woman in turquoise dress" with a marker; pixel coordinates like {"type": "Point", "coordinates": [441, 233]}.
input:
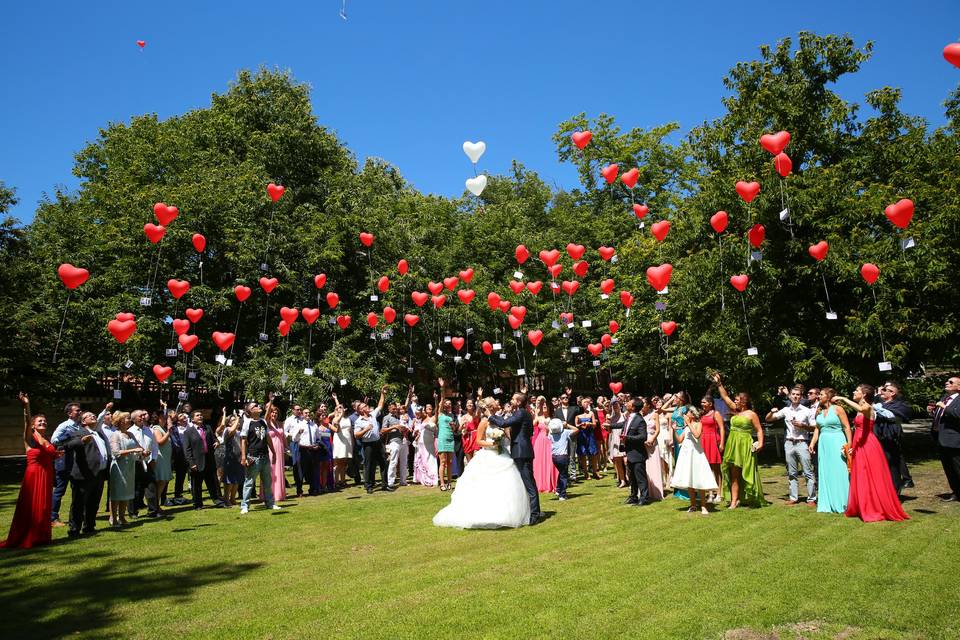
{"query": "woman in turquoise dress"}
{"type": "Point", "coordinates": [831, 434]}
{"type": "Point", "coordinates": [741, 474]}
{"type": "Point", "coordinates": [682, 400]}
{"type": "Point", "coordinates": [126, 455]}
{"type": "Point", "coordinates": [445, 443]}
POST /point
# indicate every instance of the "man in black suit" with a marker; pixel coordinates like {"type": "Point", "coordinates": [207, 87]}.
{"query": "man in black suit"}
{"type": "Point", "coordinates": [91, 464]}
{"type": "Point", "coordinates": [210, 462]}
{"type": "Point", "coordinates": [568, 413]}
{"type": "Point", "coordinates": [195, 453]}
{"type": "Point", "coordinates": [946, 432]}
{"type": "Point", "coordinates": [892, 412]}
{"type": "Point", "coordinates": [520, 424]}
{"type": "Point", "coordinates": [635, 446]}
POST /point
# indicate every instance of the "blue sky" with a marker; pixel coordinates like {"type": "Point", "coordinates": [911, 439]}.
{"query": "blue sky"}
{"type": "Point", "coordinates": [410, 81]}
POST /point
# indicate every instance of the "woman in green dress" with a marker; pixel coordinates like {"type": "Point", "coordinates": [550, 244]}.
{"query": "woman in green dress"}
{"type": "Point", "coordinates": [741, 475]}
{"type": "Point", "coordinates": [445, 444]}
{"type": "Point", "coordinates": [126, 455]}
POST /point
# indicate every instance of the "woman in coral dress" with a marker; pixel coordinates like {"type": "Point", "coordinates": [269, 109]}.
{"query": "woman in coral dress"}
{"type": "Point", "coordinates": [469, 420]}
{"type": "Point", "coordinates": [278, 461]}
{"type": "Point", "coordinates": [544, 471]}
{"type": "Point", "coordinates": [31, 520]}
{"type": "Point", "coordinates": [653, 466]}
{"type": "Point", "coordinates": [872, 494]}
{"type": "Point", "coordinates": [712, 439]}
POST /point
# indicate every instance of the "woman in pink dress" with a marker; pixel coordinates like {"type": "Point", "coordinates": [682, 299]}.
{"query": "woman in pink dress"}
{"type": "Point", "coordinates": [425, 438]}
{"type": "Point", "coordinates": [544, 471]}
{"type": "Point", "coordinates": [278, 459]}
{"type": "Point", "coordinates": [872, 494]}
{"type": "Point", "coordinates": [654, 461]}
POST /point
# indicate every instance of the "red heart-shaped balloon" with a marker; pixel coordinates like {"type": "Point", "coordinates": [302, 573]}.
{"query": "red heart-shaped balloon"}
{"type": "Point", "coordinates": [582, 138]}
{"type": "Point", "coordinates": [389, 315]}
{"type": "Point", "coordinates": [178, 287]}
{"type": "Point", "coordinates": [606, 253]}
{"type": "Point", "coordinates": [630, 178]}
{"type": "Point", "coordinates": [748, 190]}
{"type": "Point", "coordinates": [566, 318]}
{"type": "Point", "coordinates": [660, 229]}
{"type": "Point", "coordinates": [550, 257]}
{"type": "Point", "coordinates": [595, 348]}
{"type": "Point", "coordinates": [740, 282]}
{"type": "Point", "coordinates": [223, 340]}
{"type": "Point", "coordinates": [165, 215]}
{"type": "Point", "coordinates": [640, 210]}
{"type": "Point", "coordinates": [517, 287]}
{"type": "Point", "coordinates": [514, 322]}
{"type": "Point", "coordinates": [606, 340]}
{"type": "Point", "coordinates": [188, 342]}
{"type": "Point", "coordinates": [870, 272]}
{"type": "Point", "coordinates": [283, 328]}
{"type": "Point", "coordinates": [194, 315]}
{"type": "Point", "coordinates": [451, 282]}
{"type": "Point", "coordinates": [419, 298]}
{"type": "Point", "coordinates": [310, 315]}
{"type": "Point", "coordinates": [521, 253]}
{"type": "Point", "coordinates": [435, 287]}
{"type": "Point", "coordinates": [71, 276]}
{"type": "Point", "coordinates": [181, 326]}
{"type": "Point", "coordinates": [241, 292]}
{"type": "Point", "coordinates": [900, 213]}
{"type": "Point", "coordinates": [719, 221]}
{"type": "Point", "coordinates": [383, 284]}
{"type": "Point", "coordinates": [372, 320]}
{"type": "Point", "coordinates": [457, 342]}
{"type": "Point", "coordinates": [659, 277]}
{"type": "Point", "coordinates": [121, 329]}
{"type": "Point", "coordinates": [757, 235]}
{"type": "Point", "coordinates": [343, 321]}
{"type": "Point", "coordinates": [268, 284]}
{"type": "Point", "coordinates": [411, 319]}
{"type": "Point", "coordinates": [466, 275]}
{"type": "Point", "coordinates": [819, 250]}
{"type": "Point", "coordinates": [332, 300]}
{"type": "Point", "coordinates": [142, 44]}
{"type": "Point", "coordinates": [775, 142]}
{"type": "Point", "coordinates": [289, 314]}
{"type": "Point", "coordinates": [783, 164]}
{"type": "Point", "coordinates": [466, 295]}
{"type": "Point", "coordinates": [570, 287]}
{"type": "Point", "coordinates": [320, 280]}
{"type": "Point", "coordinates": [438, 301]}
{"type": "Point", "coordinates": [403, 266]}
{"type": "Point", "coordinates": [951, 53]}
{"type": "Point", "coordinates": [122, 316]}
{"type": "Point", "coordinates": [554, 270]}
{"type": "Point", "coordinates": [626, 299]}
{"type": "Point", "coordinates": [580, 268]}
{"type": "Point", "coordinates": [275, 191]}
{"type": "Point", "coordinates": [606, 286]}
{"type": "Point", "coordinates": [154, 232]}
{"type": "Point", "coordinates": [668, 327]}
{"type": "Point", "coordinates": [614, 326]}
{"type": "Point", "coordinates": [534, 287]}
{"type": "Point", "coordinates": [616, 387]}
{"type": "Point", "coordinates": [575, 251]}
{"type": "Point", "coordinates": [366, 239]}
{"type": "Point", "coordinates": [504, 306]}
{"type": "Point", "coordinates": [535, 336]}
{"type": "Point", "coordinates": [519, 311]}
{"type": "Point", "coordinates": [609, 173]}
{"type": "Point", "coordinates": [487, 347]}
{"type": "Point", "coordinates": [199, 242]}
{"type": "Point", "coordinates": [162, 372]}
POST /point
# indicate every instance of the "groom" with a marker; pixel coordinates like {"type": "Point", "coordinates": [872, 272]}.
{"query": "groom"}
{"type": "Point", "coordinates": [520, 424]}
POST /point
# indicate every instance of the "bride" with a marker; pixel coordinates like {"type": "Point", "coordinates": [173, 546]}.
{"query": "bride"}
{"type": "Point", "coordinates": [489, 493]}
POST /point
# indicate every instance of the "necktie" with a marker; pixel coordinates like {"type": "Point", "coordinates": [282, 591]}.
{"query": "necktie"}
{"type": "Point", "coordinates": [310, 433]}
{"type": "Point", "coordinates": [203, 438]}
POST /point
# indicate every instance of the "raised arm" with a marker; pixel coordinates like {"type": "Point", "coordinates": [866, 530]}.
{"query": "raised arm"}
{"type": "Point", "coordinates": [383, 399]}
{"type": "Point", "coordinates": [27, 426]}
{"type": "Point", "coordinates": [723, 393]}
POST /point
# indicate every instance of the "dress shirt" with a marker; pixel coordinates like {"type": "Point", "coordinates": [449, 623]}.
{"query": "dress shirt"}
{"type": "Point", "coordinates": [64, 431]}
{"type": "Point", "coordinates": [802, 414]}
{"type": "Point", "coordinates": [368, 421]}
{"type": "Point", "coordinates": [101, 446]}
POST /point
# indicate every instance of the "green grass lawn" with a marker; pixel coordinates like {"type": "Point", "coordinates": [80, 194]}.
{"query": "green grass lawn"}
{"type": "Point", "coordinates": [352, 565]}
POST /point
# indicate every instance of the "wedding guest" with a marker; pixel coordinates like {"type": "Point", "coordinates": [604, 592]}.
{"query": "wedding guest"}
{"type": "Point", "coordinates": [798, 422]}
{"type": "Point", "coordinates": [635, 442]}
{"type": "Point", "coordinates": [63, 466]}
{"type": "Point", "coordinates": [91, 466]}
{"type": "Point", "coordinates": [367, 431]}
{"type": "Point", "coordinates": [946, 433]}
{"type": "Point", "coordinates": [469, 420]}
{"type": "Point", "coordinates": [545, 472]}
{"type": "Point", "coordinates": [587, 440]}
{"type": "Point", "coordinates": [653, 461]}
{"type": "Point", "coordinates": [180, 467]}
{"type": "Point", "coordinates": [665, 440]}
{"type": "Point", "coordinates": [568, 413]}
{"type": "Point", "coordinates": [194, 440]}
{"type": "Point", "coordinates": [740, 470]}
{"type": "Point", "coordinates": [677, 410]}
{"type": "Point", "coordinates": [392, 430]}
{"type": "Point", "coordinates": [163, 467]}
{"type": "Point", "coordinates": [342, 445]}
{"type": "Point", "coordinates": [278, 454]}
{"type": "Point", "coordinates": [602, 433]}
{"type": "Point", "coordinates": [233, 474]}
{"type": "Point", "coordinates": [891, 413]}
{"type": "Point", "coordinates": [615, 419]}
{"type": "Point", "coordinates": [425, 464]}
{"type": "Point", "coordinates": [144, 483]}
{"type": "Point", "coordinates": [831, 439]}
{"type": "Point", "coordinates": [692, 471]}
{"type": "Point", "coordinates": [301, 447]}
{"type": "Point", "coordinates": [126, 454]}
{"type": "Point", "coordinates": [559, 439]}
{"type": "Point", "coordinates": [256, 448]}
{"type": "Point", "coordinates": [31, 525]}
{"type": "Point", "coordinates": [713, 440]}
{"type": "Point", "coordinates": [445, 443]}
{"type": "Point", "coordinates": [872, 496]}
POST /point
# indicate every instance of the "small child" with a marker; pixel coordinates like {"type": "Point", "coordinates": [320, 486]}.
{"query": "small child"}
{"type": "Point", "coordinates": [692, 470]}
{"type": "Point", "coordinates": [560, 434]}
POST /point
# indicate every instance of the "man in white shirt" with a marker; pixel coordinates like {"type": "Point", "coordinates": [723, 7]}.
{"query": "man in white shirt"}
{"type": "Point", "coordinates": [144, 486]}
{"type": "Point", "coordinates": [367, 432]}
{"type": "Point", "coordinates": [799, 422]}
{"type": "Point", "coordinates": [304, 440]}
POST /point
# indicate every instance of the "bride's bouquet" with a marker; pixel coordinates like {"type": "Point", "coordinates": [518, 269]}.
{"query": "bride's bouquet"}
{"type": "Point", "coordinates": [495, 434]}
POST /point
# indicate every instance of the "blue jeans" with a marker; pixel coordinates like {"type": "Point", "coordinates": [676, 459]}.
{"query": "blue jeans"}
{"type": "Point", "coordinates": [61, 479]}
{"type": "Point", "coordinates": [258, 468]}
{"type": "Point", "coordinates": [797, 452]}
{"type": "Point", "coordinates": [562, 463]}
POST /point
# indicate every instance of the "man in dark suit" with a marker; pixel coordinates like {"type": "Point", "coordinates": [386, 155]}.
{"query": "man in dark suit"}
{"type": "Point", "coordinates": [91, 464]}
{"type": "Point", "coordinates": [635, 447]}
{"type": "Point", "coordinates": [892, 412]}
{"type": "Point", "coordinates": [210, 463]}
{"type": "Point", "coordinates": [195, 453]}
{"type": "Point", "coordinates": [520, 424]}
{"type": "Point", "coordinates": [946, 432]}
{"type": "Point", "coordinates": [568, 413]}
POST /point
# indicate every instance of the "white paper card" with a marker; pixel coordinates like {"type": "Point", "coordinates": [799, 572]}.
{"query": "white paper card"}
{"type": "Point", "coordinates": [753, 351]}
{"type": "Point", "coordinates": [284, 378]}
{"type": "Point", "coordinates": [642, 225]}
{"type": "Point", "coordinates": [307, 371]}
{"type": "Point", "coordinates": [145, 301]}
{"type": "Point", "coordinates": [222, 359]}
{"type": "Point", "coordinates": [497, 346]}
{"type": "Point", "coordinates": [518, 275]}
{"type": "Point", "coordinates": [447, 338]}
{"type": "Point", "coordinates": [374, 298]}
{"type": "Point", "coordinates": [586, 324]}
{"type": "Point", "coordinates": [264, 337]}
{"type": "Point", "coordinates": [497, 391]}
{"type": "Point", "coordinates": [907, 243]}
{"type": "Point", "coordinates": [663, 291]}
{"type": "Point", "coordinates": [604, 296]}
{"type": "Point", "coordinates": [596, 363]}
{"type": "Point", "coordinates": [230, 362]}
{"type": "Point", "coordinates": [466, 357]}
{"type": "Point", "coordinates": [756, 256]}
{"type": "Point", "coordinates": [831, 315]}
{"type": "Point", "coordinates": [263, 266]}
{"type": "Point", "coordinates": [555, 324]}
{"type": "Point", "coordinates": [613, 259]}
{"type": "Point", "coordinates": [439, 352]}
{"type": "Point", "coordinates": [503, 356]}
{"type": "Point", "coordinates": [614, 341]}
{"type": "Point", "coordinates": [884, 366]}
{"type": "Point", "coordinates": [569, 325]}
{"type": "Point", "coordinates": [192, 375]}
{"type": "Point", "coordinates": [457, 359]}
{"type": "Point", "coordinates": [343, 382]}
{"type": "Point", "coordinates": [521, 372]}
{"type": "Point", "coordinates": [574, 349]}
{"type": "Point", "coordinates": [470, 331]}
{"type": "Point", "coordinates": [409, 369]}
{"type": "Point", "coordinates": [517, 334]}
{"type": "Point", "coordinates": [172, 353]}
{"type": "Point", "coordinates": [183, 395]}
{"type": "Point", "coordinates": [784, 215]}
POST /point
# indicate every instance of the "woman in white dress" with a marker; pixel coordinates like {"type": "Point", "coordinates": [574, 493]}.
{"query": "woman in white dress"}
{"type": "Point", "coordinates": [665, 439]}
{"type": "Point", "coordinates": [342, 444]}
{"type": "Point", "coordinates": [692, 470]}
{"type": "Point", "coordinates": [425, 464]}
{"type": "Point", "coordinates": [489, 493]}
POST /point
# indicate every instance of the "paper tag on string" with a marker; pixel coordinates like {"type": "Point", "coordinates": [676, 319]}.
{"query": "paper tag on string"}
{"type": "Point", "coordinates": [457, 359]}
{"type": "Point", "coordinates": [183, 395]}
{"type": "Point", "coordinates": [172, 353]}
{"type": "Point", "coordinates": [283, 379]}
{"type": "Point", "coordinates": [439, 352]}
{"type": "Point", "coordinates": [466, 357]}
{"type": "Point", "coordinates": [574, 349]}
{"type": "Point", "coordinates": [343, 382]}
{"type": "Point", "coordinates": [331, 320]}
{"type": "Point", "coordinates": [614, 259]}
{"type": "Point", "coordinates": [752, 351]}
{"type": "Point", "coordinates": [586, 324]}
{"type": "Point", "coordinates": [614, 341]}
{"type": "Point", "coordinates": [628, 313]}
{"type": "Point", "coordinates": [641, 226]}
{"type": "Point", "coordinates": [409, 369]}
{"type": "Point", "coordinates": [517, 334]}
{"type": "Point", "coordinates": [596, 363]}
{"type": "Point", "coordinates": [497, 346]}
{"type": "Point", "coordinates": [469, 331]}
{"type": "Point", "coordinates": [784, 215]}
{"type": "Point", "coordinates": [885, 366]}
{"type": "Point", "coordinates": [191, 375]}
{"type": "Point", "coordinates": [374, 298]}
{"type": "Point", "coordinates": [497, 391]}
{"type": "Point", "coordinates": [229, 362]}
{"type": "Point", "coordinates": [907, 243]}
{"type": "Point", "coordinates": [521, 372]}
{"type": "Point", "coordinates": [308, 371]}
{"type": "Point", "coordinates": [569, 325]}
{"type": "Point", "coordinates": [660, 306]}
{"type": "Point", "coordinates": [555, 324]}
{"type": "Point", "coordinates": [264, 337]}
{"type": "Point", "coordinates": [604, 296]}
{"type": "Point", "coordinates": [503, 356]}
{"type": "Point", "coordinates": [263, 266]}
{"type": "Point", "coordinates": [664, 291]}
{"type": "Point", "coordinates": [518, 275]}
{"type": "Point", "coordinates": [222, 359]}
{"type": "Point", "coordinates": [117, 394]}
{"type": "Point", "coordinates": [756, 256]}
{"type": "Point", "coordinates": [831, 315]}
{"type": "Point", "coordinates": [566, 335]}
{"type": "Point", "coordinates": [447, 339]}
{"type": "Point", "coordinates": [145, 301]}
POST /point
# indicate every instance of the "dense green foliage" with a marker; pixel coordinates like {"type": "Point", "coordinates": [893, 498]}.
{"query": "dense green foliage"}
{"type": "Point", "coordinates": [214, 164]}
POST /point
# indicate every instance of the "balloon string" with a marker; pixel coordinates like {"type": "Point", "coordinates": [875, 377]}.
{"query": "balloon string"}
{"type": "Point", "coordinates": [152, 282]}
{"type": "Point", "coordinates": [236, 327]}
{"type": "Point", "coordinates": [666, 359]}
{"type": "Point", "coordinates": [723, 304]}
{"type": "Point", "coordinates": [829, 306]}
{"type": "Point", "coordinates": [309, 344]}
{"type": "Point", "coordinates": [883, 349]}
{"type": "Point", "coordinates": [66, 306]}
{"type": "Point", "coordinates": [783, 206]}
{"type": "Point", "coordinates": [746, 323]}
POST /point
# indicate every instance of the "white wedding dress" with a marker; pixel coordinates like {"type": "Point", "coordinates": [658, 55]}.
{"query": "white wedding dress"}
{"type": "Point", "coordinates": [489, 494]}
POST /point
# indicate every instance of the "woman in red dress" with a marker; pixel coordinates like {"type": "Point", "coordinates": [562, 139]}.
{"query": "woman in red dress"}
{"type": "Point", "coordinates": [469, 421]}
{"type": "Point", "coordinates": [712, 438]}
{"type": "Point", "coordinates": [31, 520]}
{"type": "Point", "coordinates": [872, 496]}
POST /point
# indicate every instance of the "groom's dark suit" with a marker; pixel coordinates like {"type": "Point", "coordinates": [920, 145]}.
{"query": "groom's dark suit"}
{"type": "Point", "coordinates": [635, 437]}
{"type": "Point", "coordinates": [520, 424]}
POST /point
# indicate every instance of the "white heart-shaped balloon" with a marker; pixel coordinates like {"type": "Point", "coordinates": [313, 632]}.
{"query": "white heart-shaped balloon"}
{"type": "Point", "coordinates": [477, 185]}
{"type": "Point", "coordinates": [474, 150]}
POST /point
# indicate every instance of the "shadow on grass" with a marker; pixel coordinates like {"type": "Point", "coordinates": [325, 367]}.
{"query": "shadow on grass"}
{"type": "Point", "coordinates": [83, 600]}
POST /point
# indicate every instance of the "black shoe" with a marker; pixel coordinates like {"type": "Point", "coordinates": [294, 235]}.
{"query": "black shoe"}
{"type": "Point", "coordinates": [369, 490]}
{"type": "Point", "coordinates": [73, 533]}
{"type": "Point", "coordinates": [909, 485]}
{"type": "Point", "coordinates": [631, 501]}
{"type": "Point", "coordinates": [391, 489]}
{"type": "Point", "coordinates": [949, 498]}
{"type": "Point", "coordinates": [153, 514]}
